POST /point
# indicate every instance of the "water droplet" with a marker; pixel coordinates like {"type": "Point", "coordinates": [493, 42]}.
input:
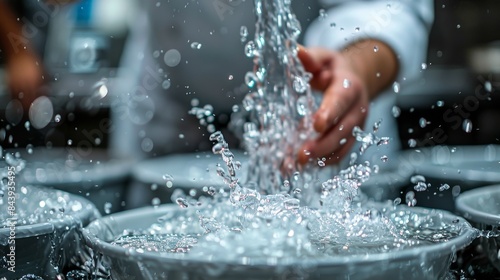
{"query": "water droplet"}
{"type": "Point", "coordinates": [384, 158]}
{"type": "Point", "coordinates": [155, 201]}
{"type": "Point", "coordinates": [440, 103]}
{"type": "Point", "coordinates": [422, 122]}
{"type": "Point", "coordinates": [397, 201]}
{"type": "Point", "coordinates": [375, 48]}
{"type": "Point", "coordinates": [195, 45]}
{"type": "Point", "coordinates": [396, 87]}
{"type": "Point", "coordinates": [169, 180]}
{"type": "Point", "coordinates": [166, 84]}
{"type": "Point", "coordinates": [488, 87]}
{"type": "Point", "coordinates": [444, 187]}
{"type": "Point", "coordinates": [243, 33]}
{"type": "Point", "coordinates": [250, 49]}
{"type": "Point", "coordinates": [302, 108]}
{"type": "Point", "coordinates": [181, 136]}
{"type": "Point", "coordinates": [250, 79]}
{"type": "Point", "coordinates": [424, 66]}
{"type": "Point", "coordinates": [467, 125]}
{"type": "Point", "coordinates": [57, 118]}
{"type": "Point", "coordinates": [321, 163]}
{"type": "Point", "coordinates": [41, 112]}
{"type": "Point", "coordinates": [346, 83]}
{"type": "Point", "coordinates": [412, 143]}
{"type": "Point", "coordinates": [181, 202]}
{"type": "Point", "coordinates": [458, 26]}
{"type": "Point", "coordinates": [70, 142]}
{"type": "Point", "coordinates": [154, 187]}
{"type": "Point", "coordinates": [396, 111]}
{"type": "Point", "coordinates": [230, 77]}
{"type": "Point", "coordinates": [299, 84]}
{"type": "Point", "coordinates": [172, 57]}
{"type": "Point", "coordinates": [14, 112]}
{"type": "Point", "coordinates": [107, 207]}
{"type": "Point", "coordinates": [322, 14]}
{"type": "Point", "coordinates": [342, 141]}
{"type": "Point", "coordinates": [356, 29]}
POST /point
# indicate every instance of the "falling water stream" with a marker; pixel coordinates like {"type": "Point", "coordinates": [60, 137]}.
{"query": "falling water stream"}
{"type": "Point", "coordinates": [266, 207]}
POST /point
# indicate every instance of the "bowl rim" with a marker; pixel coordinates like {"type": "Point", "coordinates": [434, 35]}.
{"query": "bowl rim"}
{"type": "Point", "coordinates": [436, 250]}
{"type": "Point", "coordinates": [463, 206]}
{"type": "Point", "coordinates": [82, 217]}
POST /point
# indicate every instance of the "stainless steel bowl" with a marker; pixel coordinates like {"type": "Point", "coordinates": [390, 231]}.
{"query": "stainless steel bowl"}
{"type": "Point", "coordinates": [481, 207]}
{"type": "Point", "coordinates": [46, 232]}
{"type": "Point", "coordinates": [426, 262]}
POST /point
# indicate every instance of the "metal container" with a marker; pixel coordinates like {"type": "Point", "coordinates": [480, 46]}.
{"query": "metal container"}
{"type": "Point", "coordinates": [87, 172]}
{"type": "Point", "coordinates": [481, 207]}
{"type": "Point", "coordinates": [46, 231]}
{"type": "Point", "coordinates": [426, 262]}
{"type": "Point", "coordinates": [157, 178]}
{"type": "Point", "coordinates": [460, 167]}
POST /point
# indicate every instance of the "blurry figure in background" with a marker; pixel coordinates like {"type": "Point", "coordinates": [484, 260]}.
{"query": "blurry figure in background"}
{"type": "Point", "coordinates": [191, 53]}
{"type": "Point", "coordinates": [24, 71]}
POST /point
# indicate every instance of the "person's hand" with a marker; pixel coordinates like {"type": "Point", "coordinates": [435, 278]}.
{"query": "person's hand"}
{"type": "Point", "coordinates": [24, 77]}
{"type": "Point", "coordinates": [344, 106]}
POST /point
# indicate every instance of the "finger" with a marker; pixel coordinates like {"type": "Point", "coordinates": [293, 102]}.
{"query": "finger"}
{"type": "Point", "coordinates": [317, 61]}
{"type": "Point", "coordinates": [337, 100]}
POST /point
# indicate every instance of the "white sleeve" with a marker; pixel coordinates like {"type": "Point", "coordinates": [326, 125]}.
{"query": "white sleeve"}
{"type": "Point", "coordinates": [404, 25]}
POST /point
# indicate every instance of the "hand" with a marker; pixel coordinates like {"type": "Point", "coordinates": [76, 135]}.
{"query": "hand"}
{"type": "Point", "coordinates": [344, 106]}
{"type": "Point", "coordinates": [24, 77]}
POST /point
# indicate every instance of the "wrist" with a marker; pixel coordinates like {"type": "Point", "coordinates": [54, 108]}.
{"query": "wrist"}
{"type": "Point", "coordinates": [374, 62]}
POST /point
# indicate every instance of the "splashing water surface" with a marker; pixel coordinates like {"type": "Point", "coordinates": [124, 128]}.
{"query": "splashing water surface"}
{"type": "Point", "coordinates": [270, 206]}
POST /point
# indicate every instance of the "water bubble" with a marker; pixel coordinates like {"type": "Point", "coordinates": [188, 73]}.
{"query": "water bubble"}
{"type": "Point", "coordinates": [396, 87]}
{"type": "Point", "coordinates": [346, 83]}
{"type": "Point", "coordinates": [172, 58]}
{"type": "Point", "coordinates": [467, 125]}
{"type": "Point", "coordinates": [41, 112]}
{"type": "Point", "coordinates": [195, 45]}
{"type": "Point", "coordinates": [396, 111]}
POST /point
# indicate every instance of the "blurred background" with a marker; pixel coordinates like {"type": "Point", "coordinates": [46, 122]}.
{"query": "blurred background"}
{"type": "Point", "coordinates": [83, 49]}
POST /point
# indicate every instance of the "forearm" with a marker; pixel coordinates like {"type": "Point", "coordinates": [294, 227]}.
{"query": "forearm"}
{"type": "Point", "coordinates": [375, 63]}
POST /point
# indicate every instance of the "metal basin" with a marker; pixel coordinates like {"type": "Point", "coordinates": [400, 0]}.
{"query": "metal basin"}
{"type": "Point", "coordinates": [191, 171]}
{"type": "Point", "coordinates": [461, 167]}
{"type": "Point", "coordinates": [90, 173]}
{"type": "Point", "coordinates": [46, 232]}
{"type": "Point", "coordinates": [481, 207]}
{"type": "Point", "coordinates": [425, 262]}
